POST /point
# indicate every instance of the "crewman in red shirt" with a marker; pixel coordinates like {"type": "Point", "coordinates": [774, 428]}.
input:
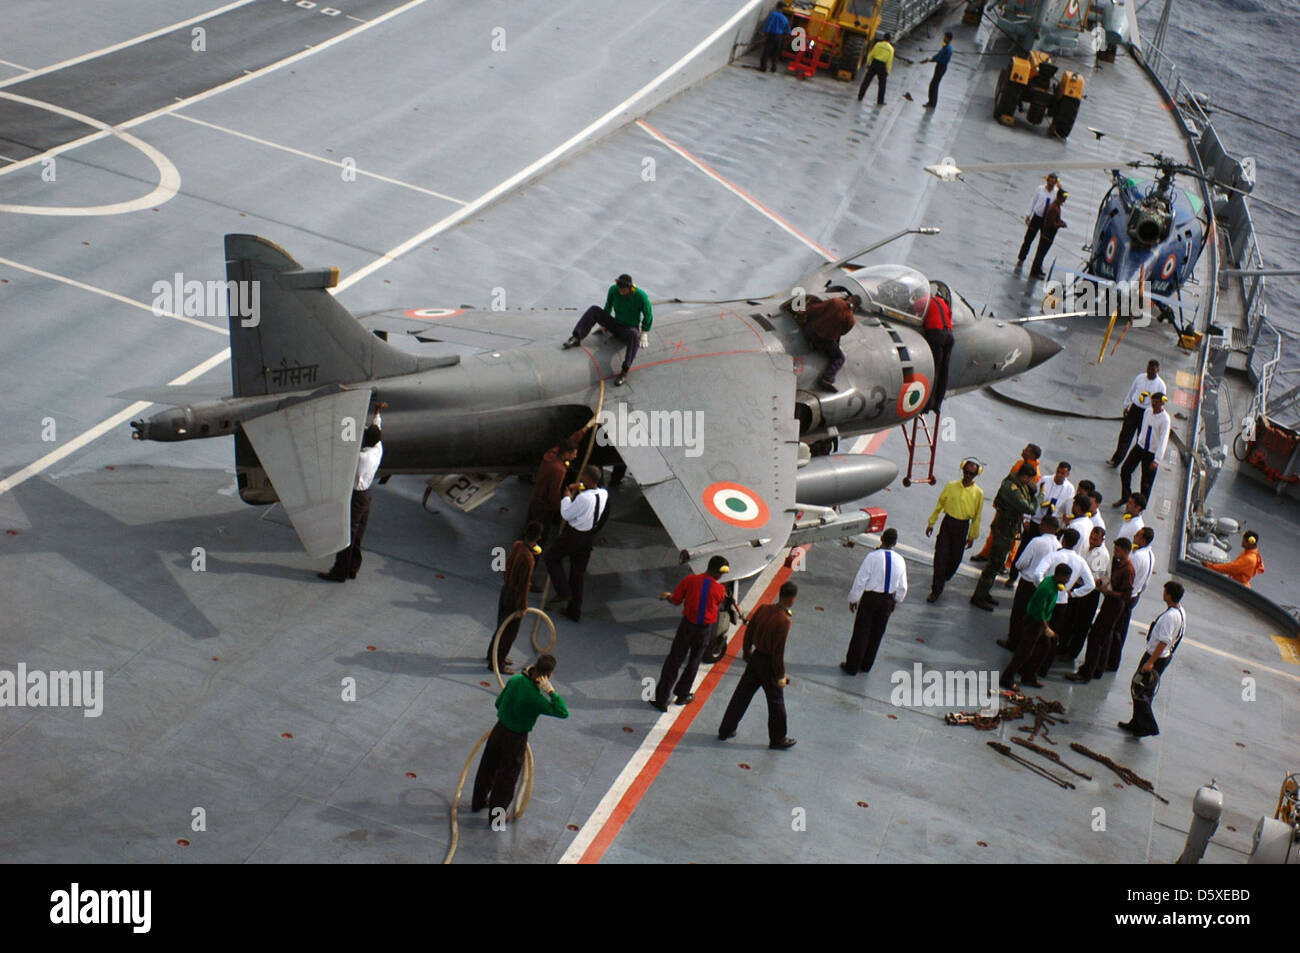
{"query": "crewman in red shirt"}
{"type": "Point", "coordinates": [937, 329]}
{"type": "Point", "coordinates": [699, 596]}
{"type": "Point", "coordinates": [824, 324]}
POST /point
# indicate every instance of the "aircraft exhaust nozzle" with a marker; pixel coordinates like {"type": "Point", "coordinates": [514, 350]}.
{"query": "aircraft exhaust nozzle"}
{"type": "Point", "coordinates": [842, 478]}
{"type": "Point", "coordinates": [1042, 348]}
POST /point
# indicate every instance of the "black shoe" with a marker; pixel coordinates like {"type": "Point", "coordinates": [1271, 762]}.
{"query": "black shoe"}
{"type": "Point", "coordinates": [685, 699]}
{"type": "Point", "coordinates": [929, 105]}
{"type": "Point", "coordinates": [621, 379]}
{"type": "Point", "coordinates": [1037, 274]}
{"type": "Point", "coordinates": [1117, 504]}
{"type": "Point", "coordinates": [722, 737]}
{"type": "Point", "coordinates": [330, 577]}
{"type": "Point", "coordinates": [932, 597]}
{"type": "Point", "coordinates": [1112, 463]}
{"type": "Point", "coordinates": [1077, 677]}
{"type": "Point", "coordinates": [1006, 644]}
{"type": "Point", "coordinates": [1030, 683]}
{"type": "Point", "coordinates": [988, 605]}
{"type": "Point", "coordinates": [572, 342]}
{"type": "Point", "coordinates": [506, 669]}
{"type": "Point", "coordinates": [782, 744]}
{"type": "Point", "coordinates": [570, 614]}
{"type": "Point", "coordinates": [846, 670]}
{"type": "Point", "coordinates": [662, 706]}
{"type": "Point", "coordinates": [1008, 686]}
{"type": "Point", "coordinates": [979, 559]}
{"type": "Point", "coordinates": [1126, 726]}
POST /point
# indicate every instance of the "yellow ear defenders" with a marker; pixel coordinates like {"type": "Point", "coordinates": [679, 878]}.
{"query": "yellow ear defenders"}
{"type": "Point", "coordinates": [537, 550]}
{"type": "Point", "coordinates": [979, 467]}
{"type": "Point", "coordinates": [1060, 588]}
{"type": "Point", "coordinates": [1252, 538]}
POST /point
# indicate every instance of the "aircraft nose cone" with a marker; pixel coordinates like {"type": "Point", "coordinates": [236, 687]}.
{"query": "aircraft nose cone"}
{"type": "Point", "coordinates": [1042, 348]}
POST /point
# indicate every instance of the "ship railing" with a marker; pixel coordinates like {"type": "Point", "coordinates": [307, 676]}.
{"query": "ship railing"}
{"type": "Point", "coordinates": [898, 17]}
{"type": "Point", "coordinates": [1207, 452]}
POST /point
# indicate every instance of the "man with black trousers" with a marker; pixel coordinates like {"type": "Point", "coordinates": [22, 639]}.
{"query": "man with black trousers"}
{"type": "Point", "coordinates": [700, 597]}
{"type": "Point", "coordinates": [1147, 451]}
{"type": "Point", "coordinates": [775, 29]}
{"type": "Point", "coordinates": [514, 593]}
{"type": "Point", "coordinates": [581, 509]}
{"type": "Point", "coordinates": [940, 61]}
{"type": "Point", "coordinates": [1136, 402]}
{"type": "Point", "coordinates": [1052, 224]}
{"type": "Point", "coordinates": [878, 588]}
{"type": "Point", "coordinates": [961, 503]}
{"type": "Point", "coordinates": [348, 561]}
{"type": "Point", "coordinates": [765, 637]}
{"type": "Point", "coordinates": [1166, 633]}
{"type": "Point", "coordinates": [1116, 591]}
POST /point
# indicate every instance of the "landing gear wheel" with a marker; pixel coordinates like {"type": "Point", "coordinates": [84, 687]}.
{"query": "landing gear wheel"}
{"type": "Point", "coordinates": [822, 448]}
{"type": "Point", "coordinates": [718, 644]}
{"type": "Point", "coordinates": [1240, 448]}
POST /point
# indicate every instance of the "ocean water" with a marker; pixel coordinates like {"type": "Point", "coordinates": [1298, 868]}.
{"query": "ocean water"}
{"type": "Point", "coordinates": [1242, 55]}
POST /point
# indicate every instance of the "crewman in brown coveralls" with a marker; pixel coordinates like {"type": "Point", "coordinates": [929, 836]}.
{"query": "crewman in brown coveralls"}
{"type": "Point", "coordinates": [824, 324]}
{"type": "Point", "coordinates": [765, 636]}
{"type": "Point", "coordinates": [514, 593]}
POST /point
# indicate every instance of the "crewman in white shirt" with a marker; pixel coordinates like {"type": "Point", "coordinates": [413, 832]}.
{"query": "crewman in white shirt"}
{"type": "Point", "coordinates": [1081, 522]}
{"type": "Point", "coordinates": [1136, 403]}
{"type": "Point", "coordinates": [1083, 609]}
{"type": "Point", "coordinates": [1041, 545]}
{"type": "Point", "coordinates": [1054, 495]}
{"type": "Point", "coordinates": [348, 561]}
{"type": "Point", "coordinates": [1163, 639]}
{"type": "Point", "coordinates": [878, 588]}
{"type": "Point", "coordinates": [1132, 520]}
{"type": "Point", "coordinates": [1044, 196]}
{"type": "Point", "coordinates": [581, 509]}
{"type": "Point", "coordinates": [1148, 449]}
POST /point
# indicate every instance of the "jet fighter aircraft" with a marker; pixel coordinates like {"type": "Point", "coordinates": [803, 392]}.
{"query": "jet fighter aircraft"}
{"type": "Point", "coordinates": [305, 372]}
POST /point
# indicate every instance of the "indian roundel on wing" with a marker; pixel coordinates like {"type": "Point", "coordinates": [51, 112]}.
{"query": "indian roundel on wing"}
{"type": "Point", "coordinates": [913, 395]}
{"type": "Point", "coordinates": [736, 504]}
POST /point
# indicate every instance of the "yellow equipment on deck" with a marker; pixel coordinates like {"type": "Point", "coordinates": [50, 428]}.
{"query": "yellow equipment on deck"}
{"type": "Point", "coordinates": [1030, 83]}
{"type": "Point", "coordinates": [845, 28]}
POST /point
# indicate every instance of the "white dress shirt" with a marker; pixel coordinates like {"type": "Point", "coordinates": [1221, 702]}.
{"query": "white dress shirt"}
{"type": "Point", "coordinates": [882, 571]}
{"type": "Point", "coordinates": [1144, 565]}
{"type": "Point", "coordinates": [1083, 526]}
{"type": "Point", "coordinates": [1153, 435]}
{"type": "Point", "coordinates": [1033, 552]}
{"type": "Point", "coordinates": [1168, 628]}
{"type": "Point", "coordinates": [1098, 560]}
{"type": "Point", "coordinates": [1078, 570]}
{"type": "Point", "coordinates": [1042, 198]}
{"type": "Point", "coordinates": [1141, 391]}
{"type": "Point", "coordinates": [368, 465]}
{"type": "Point", "coordinates": [1128, 527]}
{"type": "Point", "coordinates": [1097, 523]}
{"type": "Point", "coordinates": [1059, 498]}
{"type": "Point", "coordinates": [580, 512]}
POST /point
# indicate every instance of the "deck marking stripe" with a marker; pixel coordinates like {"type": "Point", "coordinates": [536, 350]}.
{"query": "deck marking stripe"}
{"type": "Point", "coordinates": [120, 46]}
{"type": "Point", "coordinates": [104, 426]}
{"type": "Point", "coordinates": [598, 833]}
{"type": "Point", "coordinates": [215, 90]}
{"type": "Point", "coordinates": [737, 191]}
{"type": "Point", "coordinates": [532, 169]}
{"type": "Point", "coordinates": [114, 296]}
{"type": "Point", "coordinates": [307, 155]}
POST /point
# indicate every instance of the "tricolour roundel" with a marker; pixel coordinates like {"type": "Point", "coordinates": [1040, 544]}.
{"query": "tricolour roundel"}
{"type": "Point", "coordinates": [1072, 9]}
{"type": "Point", "coordinates": [736, 504]}
{"type": "Point", "coordinates": [1110, 249]}
{"type": "Point", "coordinates": [1170, 263]}
{"type": "Point", "coordinates": [913, 395]}
{"type": "Point", "coordinates": [429, 314]}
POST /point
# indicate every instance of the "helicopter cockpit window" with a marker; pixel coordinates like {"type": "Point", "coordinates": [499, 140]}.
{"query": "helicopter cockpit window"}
{"type": "Point", "coordinates": [891, 291]}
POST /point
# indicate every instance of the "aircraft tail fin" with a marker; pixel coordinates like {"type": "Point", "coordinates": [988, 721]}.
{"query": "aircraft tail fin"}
{"type": "Point", "coordinates": [288, 333]}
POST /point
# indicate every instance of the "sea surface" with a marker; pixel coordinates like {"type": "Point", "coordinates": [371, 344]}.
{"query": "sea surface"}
{"type": "Point", "coordinates": [1241, 54]}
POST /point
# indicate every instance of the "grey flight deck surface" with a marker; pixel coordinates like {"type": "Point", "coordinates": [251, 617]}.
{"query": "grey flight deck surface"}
{"type": "Point", "coordinates": [223, 687]}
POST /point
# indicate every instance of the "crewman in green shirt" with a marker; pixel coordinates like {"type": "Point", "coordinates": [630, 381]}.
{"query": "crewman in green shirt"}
{"type": "Point", "coordinates": [1030, 654]}
{"type": "Point", "coordinates": [879, 62]}
{"type": "Point", "coordinates": [961, 503]}
{"type": "Point", "coordinates": [626, 316]}
{"type": "Point", "coordinates": [1016, 499]}
{"type": "Point", "coordinates": [526, 697]}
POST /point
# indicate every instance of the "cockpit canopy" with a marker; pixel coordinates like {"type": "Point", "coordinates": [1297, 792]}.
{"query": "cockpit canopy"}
{"type": "Point", "coordinates": [894, 291]}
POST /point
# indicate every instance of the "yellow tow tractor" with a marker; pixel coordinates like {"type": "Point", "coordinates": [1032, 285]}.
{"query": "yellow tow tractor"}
{"type": "Point", "coordinates": [843, 27]}
{"type": "Point", "coordinates": [1030, 83]}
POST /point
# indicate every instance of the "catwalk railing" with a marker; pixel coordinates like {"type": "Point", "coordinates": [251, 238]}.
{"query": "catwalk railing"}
{"type": "Point", "coordinates": [1261, 338]}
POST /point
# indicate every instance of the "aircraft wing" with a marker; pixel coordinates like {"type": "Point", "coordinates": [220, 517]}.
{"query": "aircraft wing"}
{"type": "Point", "coordinates": [714, 453]}
{"type": "Point", "coordinates": [312, 465]}
{"type": "Point", "coordinates": [475, 328]}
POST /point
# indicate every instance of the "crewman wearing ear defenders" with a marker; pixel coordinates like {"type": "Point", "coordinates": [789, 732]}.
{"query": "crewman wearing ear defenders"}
{"type": "Point", "coordinates": [1246, 566]}
{"type": "Point", "coordinates": [699, 596]}
{"type": "Point", "coordinates": [961, 503]}
{"type": "Point", "coordinates": [514, 592]}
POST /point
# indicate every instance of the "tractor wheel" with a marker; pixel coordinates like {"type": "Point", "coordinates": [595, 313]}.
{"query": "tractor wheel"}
{"type": "Point", "coordinates": [1034, 114]}
{"type": "Point", "coordinates": [1006, 98]}
{"type": "Point", "coordinates": [1067, 109]}
{"type": "Point", "coordinates": [851, 53]}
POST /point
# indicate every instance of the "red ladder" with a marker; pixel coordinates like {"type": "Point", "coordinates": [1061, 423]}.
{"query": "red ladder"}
{"type": "Point", "coordinates": [931, 436]}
